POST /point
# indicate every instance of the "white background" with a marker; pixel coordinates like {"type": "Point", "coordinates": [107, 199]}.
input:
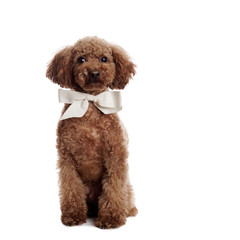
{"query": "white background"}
{"type": "Point", "coordinates": [181, 111]}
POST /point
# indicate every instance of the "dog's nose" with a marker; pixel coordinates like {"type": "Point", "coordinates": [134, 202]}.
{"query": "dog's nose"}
{"type": "Point", "coordinates": [95, 74]}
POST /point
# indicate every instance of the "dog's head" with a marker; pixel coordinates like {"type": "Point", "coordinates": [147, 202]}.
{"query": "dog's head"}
{"type": "Point", "coordinates": [91, 66]}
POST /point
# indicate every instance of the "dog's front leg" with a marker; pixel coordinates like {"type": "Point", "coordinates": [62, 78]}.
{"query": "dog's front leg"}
{"type": "Point", "coordinates": [72, 193]}
{"type": "Point", "coordinates": [112, 210]}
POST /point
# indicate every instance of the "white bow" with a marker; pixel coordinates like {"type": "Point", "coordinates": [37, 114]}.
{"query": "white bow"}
{"type": "Point", "coordinates": [107, 102]}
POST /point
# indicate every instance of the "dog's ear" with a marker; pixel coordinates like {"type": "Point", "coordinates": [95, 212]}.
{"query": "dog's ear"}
{"type": "Point", "coordinates": [60, 68]}
{"type": "Point", "coordinates": [125, 68]}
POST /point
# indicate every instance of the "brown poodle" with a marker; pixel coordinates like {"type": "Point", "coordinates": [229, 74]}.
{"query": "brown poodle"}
{"type": "Point", "coordinates": [93, 169]}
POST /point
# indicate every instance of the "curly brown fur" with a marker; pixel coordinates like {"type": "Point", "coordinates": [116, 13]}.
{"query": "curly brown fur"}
{"type": "Point", "coordinates": [93, 169]}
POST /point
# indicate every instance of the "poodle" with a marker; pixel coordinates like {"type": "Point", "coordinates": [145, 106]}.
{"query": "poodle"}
{"type": "Point", "coordinates": [92, 149]}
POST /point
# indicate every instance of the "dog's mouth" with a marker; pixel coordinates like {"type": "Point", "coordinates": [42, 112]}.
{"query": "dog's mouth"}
{"type": "Point", "coordinates": [90, 81]}
{"type": "Point", "coordinates": [91, 85]}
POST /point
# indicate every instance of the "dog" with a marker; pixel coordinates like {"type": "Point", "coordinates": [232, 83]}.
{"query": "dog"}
{"type": "Point", "coordinates": [92, 149]}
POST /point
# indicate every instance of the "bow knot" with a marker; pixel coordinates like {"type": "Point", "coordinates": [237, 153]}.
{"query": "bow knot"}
{"type": "Point", "coordinates": [91, 98]}
{"type": "Point", "coordinates": [107, 102]}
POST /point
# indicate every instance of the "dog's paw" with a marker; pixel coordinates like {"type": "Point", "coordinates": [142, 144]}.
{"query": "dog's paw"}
{"type": "Point", "coordinates": [109, 221]}
{"type": "Point", "coordinates": [72, 220]}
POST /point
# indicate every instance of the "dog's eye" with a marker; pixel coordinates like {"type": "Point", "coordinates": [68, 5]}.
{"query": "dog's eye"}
{"type": "Point", "coordinates": [81, 60]}
{"type": "Point", "coordinates": [104, 59]}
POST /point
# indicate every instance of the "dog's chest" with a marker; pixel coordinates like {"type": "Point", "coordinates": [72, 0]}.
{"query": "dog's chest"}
{"type": "Point", "coordinates": [87, 144]}
{"type": "Point", "coordinates": [89, 155]}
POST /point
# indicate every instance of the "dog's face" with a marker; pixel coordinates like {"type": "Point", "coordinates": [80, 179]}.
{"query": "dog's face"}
{"type": "Point", "coordinates": [91, 66]}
